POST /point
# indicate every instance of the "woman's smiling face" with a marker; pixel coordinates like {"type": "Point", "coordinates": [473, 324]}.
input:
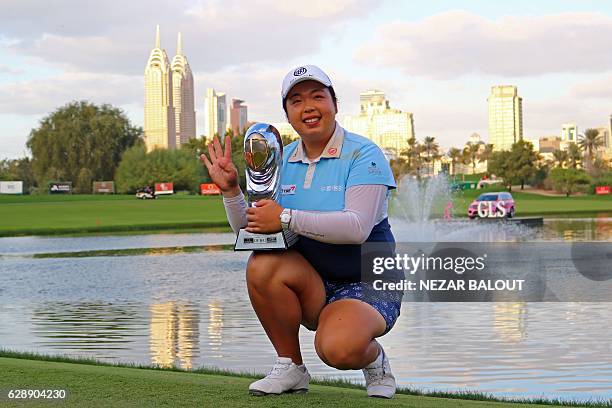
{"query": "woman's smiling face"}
{"type": "Point", "coordinates": [311, 110]}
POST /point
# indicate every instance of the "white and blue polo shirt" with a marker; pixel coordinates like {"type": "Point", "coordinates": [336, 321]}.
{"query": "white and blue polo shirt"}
{"type": "Point", "coordinates": [320, 185]}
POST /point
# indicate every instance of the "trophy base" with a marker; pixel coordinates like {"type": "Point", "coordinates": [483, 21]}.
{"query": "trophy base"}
{"type": "Point", "coordinates": [249, 241]}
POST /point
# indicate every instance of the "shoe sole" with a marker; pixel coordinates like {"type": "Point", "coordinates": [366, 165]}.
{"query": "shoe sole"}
{"type": "Point", "coordinates": [257, 393]}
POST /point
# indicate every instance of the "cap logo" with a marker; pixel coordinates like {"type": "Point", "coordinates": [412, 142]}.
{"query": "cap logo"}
{"type": "Point", "coordinates": [299, 72]}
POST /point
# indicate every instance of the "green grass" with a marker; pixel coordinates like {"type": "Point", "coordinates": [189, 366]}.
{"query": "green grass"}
{"type": "Point", "coordinates": [91, 383]}
{"type": "Point", "coordinates": [124, 214]}
{"type": "Point", "coordinates": [528, 204]}
{"type": "Point", "coordinates": [75, 214]}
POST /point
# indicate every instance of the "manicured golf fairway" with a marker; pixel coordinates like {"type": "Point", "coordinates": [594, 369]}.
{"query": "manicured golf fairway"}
{"type": "Point", "coordinates": [74, 214]}
{"type": "Point", "coordinates": [95, 386]}
{"type": "Point", "coordinates": [41, 215]}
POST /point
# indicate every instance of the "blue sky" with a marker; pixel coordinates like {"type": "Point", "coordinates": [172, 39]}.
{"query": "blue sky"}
{"type": "Point", "coordinates": [436, 59]}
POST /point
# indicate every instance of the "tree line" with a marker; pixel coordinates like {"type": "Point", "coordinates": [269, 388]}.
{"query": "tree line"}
{"type": "Point", "coordinates": [82, 142]}
{"type": "Point", "coordinates": [570, 169]}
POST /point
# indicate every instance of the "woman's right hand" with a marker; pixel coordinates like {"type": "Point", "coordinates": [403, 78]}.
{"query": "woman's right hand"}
{"type": "Point", "coordinates": [220, 167]}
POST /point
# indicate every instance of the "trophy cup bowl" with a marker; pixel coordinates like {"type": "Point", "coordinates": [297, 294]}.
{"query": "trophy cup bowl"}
{"type": "Point", "coordinates": [263, 153]}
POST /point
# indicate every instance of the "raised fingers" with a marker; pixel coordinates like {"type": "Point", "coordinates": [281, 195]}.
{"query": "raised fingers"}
{"type": "Point", "coordinates": [211, 152]}
{"type": "Point", "coordinates": [218, 149]}
{"type": "Point", "coordinates": [205, 160]}
{"type": "Point", "coordinates": [228, 147]}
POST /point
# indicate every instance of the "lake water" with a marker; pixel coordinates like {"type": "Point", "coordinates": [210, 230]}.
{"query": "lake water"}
{"type": "Point", "coordinates": [192, 310]}
{"type": "Point", "coordinates": [554, 229]}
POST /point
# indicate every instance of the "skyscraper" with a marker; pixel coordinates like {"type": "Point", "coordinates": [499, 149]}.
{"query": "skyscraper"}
{"type": "Point", "coordinates": [215, 113]}
{"type": "Point", "coordinates": [505, 117]}
{"type": "Point", "coordinates": [221, 113]}
{"type": "Point", "coordinates": [159, 119]}
{"type": "Point", "coordinates": [182, 96]}
{"type": "Point", "coordinates": [609, 141]}
{"type": "Point", "coordinates": [389, 128]}
{"type": "Point", "coordinates": [238, 116]}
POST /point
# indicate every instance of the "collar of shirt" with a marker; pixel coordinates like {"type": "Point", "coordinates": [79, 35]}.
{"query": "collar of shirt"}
{"type": "Point", "coordinates": [332, 149]}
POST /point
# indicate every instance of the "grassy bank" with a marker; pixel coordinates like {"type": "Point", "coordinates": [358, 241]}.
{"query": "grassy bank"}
{"type": "Point", "coordinates": [532, 204]}
{"type": "Point", "coordinates": [73, 214]}
{"type": "Point", "coordinates": [89, 383]}
{"type": "Point", "coordinates": [104, 214]}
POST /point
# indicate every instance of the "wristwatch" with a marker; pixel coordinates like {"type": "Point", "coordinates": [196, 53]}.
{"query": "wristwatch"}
{"type": "Point", "coordinates": [285, 218]}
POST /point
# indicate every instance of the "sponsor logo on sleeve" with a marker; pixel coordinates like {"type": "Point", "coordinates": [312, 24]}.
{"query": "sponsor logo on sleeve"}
{"type": "Point", "coordinates": [374, 170]}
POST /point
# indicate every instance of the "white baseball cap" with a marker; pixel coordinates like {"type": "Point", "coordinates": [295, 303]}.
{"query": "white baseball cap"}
{"type": "Point", "coordinates": [304, 73]}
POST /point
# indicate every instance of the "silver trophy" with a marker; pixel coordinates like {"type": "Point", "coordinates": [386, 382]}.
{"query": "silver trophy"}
{"type": "Point", "coordinates": [263, 153]}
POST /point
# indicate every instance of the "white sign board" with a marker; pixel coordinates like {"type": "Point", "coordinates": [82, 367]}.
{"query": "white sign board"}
{"type": "Point", "coordinates": [11, 187]}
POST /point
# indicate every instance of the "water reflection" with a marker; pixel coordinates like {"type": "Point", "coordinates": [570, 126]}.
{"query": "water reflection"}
{"type": "Point", "coordinates": [215, 328]}
{"type": "Point", "coordinates": [192, 310]}
{"type": "Point", "coordinates": [510, 321]}
{"type": "Point", "coordinates": [174, 336]}
{"type": "Point", "coordinates": [575, 229]}
{"type": "Point", "coordinates": [86, 328]}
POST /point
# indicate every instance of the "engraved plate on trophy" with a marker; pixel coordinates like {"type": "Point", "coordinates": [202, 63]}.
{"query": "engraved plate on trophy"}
{"type": "Point", "coordinates": [263, 153]}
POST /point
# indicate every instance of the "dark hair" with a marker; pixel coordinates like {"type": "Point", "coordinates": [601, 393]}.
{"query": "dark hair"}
{"type": "Point", "coordinates": [331, 91]}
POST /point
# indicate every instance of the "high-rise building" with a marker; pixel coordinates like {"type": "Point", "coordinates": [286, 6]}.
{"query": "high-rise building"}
{"type": "Point", "coordinates": [505, 117]}
{"type": "Point", "coordinates": [215, 112]}
{"type": "Point", "coordinates": [221, 113]}
{"type": "Point", "coordinates": [159, 119]}
{"type": "Point", "coordinates": [182, 96]}
{"type": "Point", "coordinates": [238, 116]}
{"type": "Point", "coordinates": [285, 129]}
{"type": "Point", "coordinates": [604, 134]}
{"type": "Point", "coordinates": [569, 132]}
{"type": "Point", "coordinates": [389, 128]}
{"type": "Point", "coordinates": [609, 141]}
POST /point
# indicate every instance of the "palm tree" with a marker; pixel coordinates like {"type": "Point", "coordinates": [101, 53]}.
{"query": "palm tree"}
{"type": "Point", "coordinates": [398, 167]}
{"type": "Point", "coordinates": [455, 156]}
{"type": "Point", "coordinates": [412, 154]}
{"type": "Point", "coordinates": [589, 143]}
{"type": "Point", "coordinates": [560, 157]}
{"type": "Point", "coordinates": [471, 154]}
{"type": "Point", "coordinates": [574, 155]}
{"type": "Point", "coordinates": [486, 154]}
{"type": "Point", "coordinates": [431, 149]}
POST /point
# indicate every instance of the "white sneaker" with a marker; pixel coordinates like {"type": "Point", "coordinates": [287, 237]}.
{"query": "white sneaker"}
{"type": "Point", "coordinates": [285, 376]}
{"type": "Point", "coordinates": [380, 381]}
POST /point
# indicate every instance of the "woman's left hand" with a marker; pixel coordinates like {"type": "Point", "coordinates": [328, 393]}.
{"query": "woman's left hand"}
{"type": "Point", "coordinates": [264, 218]}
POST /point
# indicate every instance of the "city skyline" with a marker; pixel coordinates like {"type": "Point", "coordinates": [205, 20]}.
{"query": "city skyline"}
{"type": "Point", "coordinates": [183, 96]}
{"type": "Point", "coordinates": [159, 116]}
{"type": "Point", "coordinates": [169, 115]}
{"type": "Point", "coordinates": [451, 54]}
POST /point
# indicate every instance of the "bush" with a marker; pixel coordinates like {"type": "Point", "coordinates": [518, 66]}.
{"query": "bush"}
{"type": "Point", "coordinates": [569, 181]}
{"type": "Point", "coordinates": [604, 179]}
{"type": "Point", "coordinates": [138, 168]}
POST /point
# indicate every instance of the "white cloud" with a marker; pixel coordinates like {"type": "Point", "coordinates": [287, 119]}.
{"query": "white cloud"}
{"type": "Point", "coordinates": [455, 43]}
{"type": "Point", "coordinates": [41, 96]}
{"type": "Point", "coordinates": [600, 88]}
{"type": "Point", "coordinates": [117, 37]}
{"type": "Point", "coordinates": [6, 69]}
